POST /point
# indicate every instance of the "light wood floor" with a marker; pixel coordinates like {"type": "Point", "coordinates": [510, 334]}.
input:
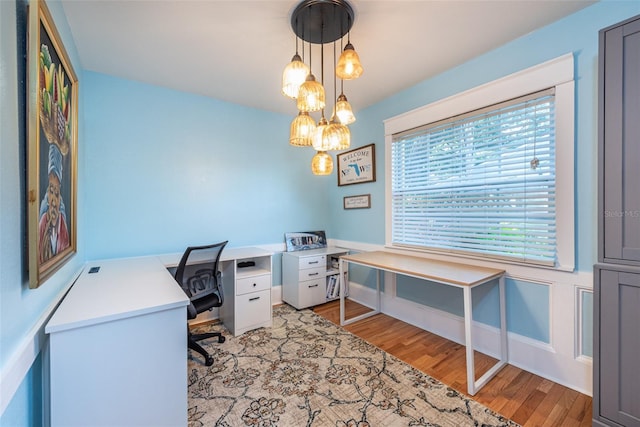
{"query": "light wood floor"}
{"type": "Point", "coordinates": [523, 397]}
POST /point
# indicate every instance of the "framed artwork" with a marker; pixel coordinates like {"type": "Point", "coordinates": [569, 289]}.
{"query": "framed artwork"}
{"type": "Point", "coordinates": [52, 140]}
{"type": "Point", "coordinates": [357, 166]}
{"type": "Point", "coordinates": [362, 201]}
{"type": "Point", "coordinates": [305, 240]}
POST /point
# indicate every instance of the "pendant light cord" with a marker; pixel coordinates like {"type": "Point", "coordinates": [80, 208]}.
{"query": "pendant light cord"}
{"type": "Point", "coordinates": [335, 84]}
{"type": "Point", "coordinates": [322, 70]}
{"type": "Point", "coordinates": [310, 56]}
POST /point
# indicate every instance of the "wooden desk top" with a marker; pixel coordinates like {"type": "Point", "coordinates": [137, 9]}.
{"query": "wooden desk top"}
{"type": "Point", "coordinates": [425, 268]}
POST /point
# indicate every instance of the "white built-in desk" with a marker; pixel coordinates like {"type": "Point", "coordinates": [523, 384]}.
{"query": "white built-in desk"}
{"type": "Point", "coordinates": [118, 348]}
{"type": "Point", "coordinates": [462, 276]}
{"type": "Point", "coordinates": [118, 340]}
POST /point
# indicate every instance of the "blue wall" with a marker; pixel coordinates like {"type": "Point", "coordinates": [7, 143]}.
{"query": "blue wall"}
{"type": "Point", "coordinates": [166, 169]}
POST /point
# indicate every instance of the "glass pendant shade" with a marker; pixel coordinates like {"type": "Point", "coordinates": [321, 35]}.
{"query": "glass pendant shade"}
{"type": "Point", "coordinates": [321, 22]}
{"type": "Point", "coordinates": [322, 164]}
{"type": "Point", "coordinates": [294, 74]}
{"type": "Point", "coordinates": [336, 136]}
{"type": "Point", "coordinates": [303, 128]}
{"type": "Point", "coordinates": [349, 66]}
{"type": "Point", "coordinates": [343, 110]}
{"type": "Point", "coordinates": [318, 141]}
{"type": "Point", "coordinates": [311, 95]}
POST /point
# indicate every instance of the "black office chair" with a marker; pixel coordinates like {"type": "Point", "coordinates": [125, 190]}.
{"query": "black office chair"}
{"type": "Point", "coordinates": [200, 279]}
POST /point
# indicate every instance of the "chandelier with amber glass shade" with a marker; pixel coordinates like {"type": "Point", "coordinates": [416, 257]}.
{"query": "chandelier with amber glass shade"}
{"type": "Point", "coordinates": [321, 22]}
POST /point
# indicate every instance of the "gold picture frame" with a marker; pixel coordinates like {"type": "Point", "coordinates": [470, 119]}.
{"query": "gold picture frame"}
{"type": "Point", "coordinates": [52, 139]}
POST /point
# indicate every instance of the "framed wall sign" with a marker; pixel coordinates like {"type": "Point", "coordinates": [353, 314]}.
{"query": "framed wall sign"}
{"type": "Point", "coordinates": [357, 166]}
{"type": "Point", "coordinates": [362, 201]}
{"type": "Point", "coordinates": [51, 148]}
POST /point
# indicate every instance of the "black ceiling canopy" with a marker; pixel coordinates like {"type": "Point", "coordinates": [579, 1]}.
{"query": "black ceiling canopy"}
{"type": "Point", "coordinates": [322, 21]}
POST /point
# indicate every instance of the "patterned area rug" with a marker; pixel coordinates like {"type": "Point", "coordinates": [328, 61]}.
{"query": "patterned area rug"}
{"type": "Point", "coordinates": [306, 371]}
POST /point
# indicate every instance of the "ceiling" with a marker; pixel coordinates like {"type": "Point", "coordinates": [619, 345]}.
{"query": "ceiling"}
{"type": "Point", "coordinates": [235, 50]}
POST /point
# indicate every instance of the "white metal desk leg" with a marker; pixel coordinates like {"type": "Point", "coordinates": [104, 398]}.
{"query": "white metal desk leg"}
{"type": "Point", "coordinates": [344, 265]}
{"type": "Point", "coordinates": [504, 349]}
{"type": "Point", "coordinates": [468, 341]}
{"type": "Point", "coordinates": [378, 292]}
{"type": "Point", "coordinates": [342, 290]}
{"type": "Point", "coordinates": [474, 386]}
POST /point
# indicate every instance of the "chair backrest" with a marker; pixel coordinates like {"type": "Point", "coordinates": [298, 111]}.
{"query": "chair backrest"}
{"type": "Point", "coordinates": [198, 274]}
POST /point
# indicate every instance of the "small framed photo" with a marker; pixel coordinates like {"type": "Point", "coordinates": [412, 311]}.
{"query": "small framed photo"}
{"type": "Point", "coordinates": [362, 201]}
{"type": "Point", "coordinates": [357, 166]}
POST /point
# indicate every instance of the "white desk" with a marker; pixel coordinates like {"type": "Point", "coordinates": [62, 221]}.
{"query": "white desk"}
{"type": "Point", "coordinates": [118, 348]}
{"type": "Point", "coordinates": [461, 276]}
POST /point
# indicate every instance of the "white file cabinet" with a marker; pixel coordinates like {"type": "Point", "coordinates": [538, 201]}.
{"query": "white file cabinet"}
{"type": "Point", "coordinates": [246, 282]}
{"type": "Point", "coordinates": [311, 277]}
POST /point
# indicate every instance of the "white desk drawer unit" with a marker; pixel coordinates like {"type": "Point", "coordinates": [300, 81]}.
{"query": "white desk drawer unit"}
{"type": "Point", "coordinates": [313, 262]}
{"type": "Point", "coordinates": [312, 273]}
{"type": "Point", "coordinates": [247, 290]}
{"type": "Point", "coordinates": [311, 292]}
{"type": "Point", "coordinates": [255, 308]}
{"type": "Point", "coordinates": [253, 284]}
{"type": "Point", "coordinates": [306, 274]}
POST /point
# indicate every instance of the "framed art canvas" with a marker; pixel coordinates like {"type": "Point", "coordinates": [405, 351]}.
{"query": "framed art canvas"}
{"type": "Point", "coordinates": [357, 166]}
{"type": "Point", "coordinates": [305, 240]}
{"type": "Point", "coordinates": [51, 148]}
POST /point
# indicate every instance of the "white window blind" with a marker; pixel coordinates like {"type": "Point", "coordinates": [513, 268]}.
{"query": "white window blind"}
{"type": "Point", "coordinates": [482, 182]}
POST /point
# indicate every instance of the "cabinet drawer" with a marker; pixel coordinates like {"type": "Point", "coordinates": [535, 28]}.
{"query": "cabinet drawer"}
{"type": "Point", "coordinates": [253, 309]}
{"type": "Point", "coordinates": [253, 284]}
{"type": "Point", "coordinates": [311, 274]}
{"type": "Point", "coordinates": [313, 262]}
{"type": "Point", "coordinates": [312, 292]}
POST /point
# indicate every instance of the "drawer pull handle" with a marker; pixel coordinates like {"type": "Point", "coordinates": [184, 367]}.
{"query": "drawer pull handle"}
{"type": "Point", "coordinates": [313, 262]}
{"type": "Point", "coordinates": [254, 298]}
{"type": "Point", "coordinates": [254, 285]}
{"type": "Point", "coordinates": [313, 274]}
{"type": "Point", "coordinates": [313, 286]}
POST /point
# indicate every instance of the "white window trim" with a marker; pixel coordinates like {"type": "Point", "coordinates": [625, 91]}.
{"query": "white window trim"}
{"type": "Point", "coordinates": [557, 72]}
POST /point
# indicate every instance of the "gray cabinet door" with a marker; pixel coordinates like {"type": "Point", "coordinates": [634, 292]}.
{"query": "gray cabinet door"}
{"type": "Point", "coordinates": [618, 349]}
{"type": "Point", "coordinates": [619, 148]}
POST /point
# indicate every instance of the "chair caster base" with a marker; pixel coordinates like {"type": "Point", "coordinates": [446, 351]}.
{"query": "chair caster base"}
{"type": "Point", "coordinates": [208, 361]}
{"type": "Point", "coordinates": [221, 339]}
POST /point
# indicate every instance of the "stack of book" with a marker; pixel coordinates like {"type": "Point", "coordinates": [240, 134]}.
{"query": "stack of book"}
{"type": "Point", "coordinates": [333, 287]}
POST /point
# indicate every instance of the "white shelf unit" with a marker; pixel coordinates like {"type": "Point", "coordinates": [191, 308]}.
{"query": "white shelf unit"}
{"type": "Point", "coordinates": [311, 277]}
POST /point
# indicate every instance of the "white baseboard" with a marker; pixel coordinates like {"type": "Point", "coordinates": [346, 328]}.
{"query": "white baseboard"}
{"type": "Point", "coordinates": [525, 353]}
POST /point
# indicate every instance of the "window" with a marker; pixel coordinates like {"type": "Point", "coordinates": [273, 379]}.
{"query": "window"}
{"type": "Point", "coordinates": [481, 179]}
